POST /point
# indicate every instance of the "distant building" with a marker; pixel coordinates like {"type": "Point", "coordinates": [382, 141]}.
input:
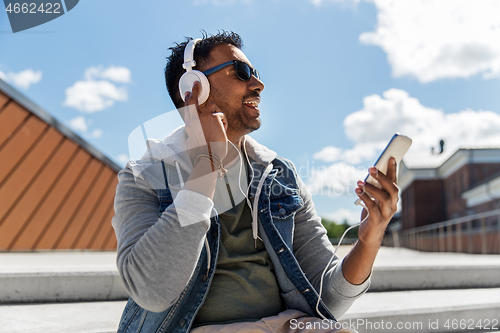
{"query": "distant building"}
{"type": "Point", "coordinates": [56, 190]}
{"type": "Point", "coordinates": [436, 187]}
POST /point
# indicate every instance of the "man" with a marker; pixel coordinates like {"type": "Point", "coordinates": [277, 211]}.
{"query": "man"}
{"type": "Point", "coordinates": [193, 262]}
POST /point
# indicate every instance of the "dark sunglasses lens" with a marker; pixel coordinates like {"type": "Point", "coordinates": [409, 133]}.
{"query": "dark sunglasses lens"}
{"type": "Point", "coordinates": [242, 71]}
{"type": "Point", "coordinates": [256, 74]}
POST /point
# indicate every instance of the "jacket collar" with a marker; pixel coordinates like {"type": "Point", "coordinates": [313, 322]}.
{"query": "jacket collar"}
{"type": "Point", "coordinates": [174, 149]}
{"type": "Point", "coordinates": [258, 152]}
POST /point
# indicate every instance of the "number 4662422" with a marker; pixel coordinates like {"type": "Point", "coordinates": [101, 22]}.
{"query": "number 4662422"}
{"type": "Point", "coordinates": [31, 8]}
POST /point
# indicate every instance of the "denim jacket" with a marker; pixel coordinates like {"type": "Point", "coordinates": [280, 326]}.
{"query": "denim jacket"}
{"type": "Point", "coordinates": [293, 237]}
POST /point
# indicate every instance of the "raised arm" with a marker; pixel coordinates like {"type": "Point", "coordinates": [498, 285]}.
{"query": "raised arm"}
{"type": "Point", "coordinates": [157, 255]}
{"type": "Point", "coordinates": [358, 263]}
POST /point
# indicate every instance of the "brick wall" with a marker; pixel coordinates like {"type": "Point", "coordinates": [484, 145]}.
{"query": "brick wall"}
{"type": "Point", "coordinates": [460, 181]}
{"type": "Point", "coordinates": [422, 204]}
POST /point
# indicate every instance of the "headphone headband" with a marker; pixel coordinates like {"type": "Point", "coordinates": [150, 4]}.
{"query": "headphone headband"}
{"type": "Point", "coordinates": [191, 75]}
{"type": "Point", "coordinates": [189, 62]}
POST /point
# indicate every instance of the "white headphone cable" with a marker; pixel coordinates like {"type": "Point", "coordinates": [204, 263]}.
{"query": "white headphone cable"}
{"type": "Point", "coordinates": [333, 256]}
{"type": "Point", "coordinates": [239, 174]}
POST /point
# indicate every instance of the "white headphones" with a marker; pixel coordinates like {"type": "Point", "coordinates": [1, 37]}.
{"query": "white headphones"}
{"type": "Point", "coordinates": [187, 79]}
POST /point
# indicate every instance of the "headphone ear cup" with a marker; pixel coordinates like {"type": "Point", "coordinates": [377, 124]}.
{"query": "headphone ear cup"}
{"type": "Point", "coordinates": [187, 81]}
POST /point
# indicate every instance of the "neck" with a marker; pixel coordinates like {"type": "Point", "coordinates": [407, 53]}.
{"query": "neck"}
{"type": "Point", "coordinates": [233, 153]}
{"type": "Point", "coordinates": [237, 140]}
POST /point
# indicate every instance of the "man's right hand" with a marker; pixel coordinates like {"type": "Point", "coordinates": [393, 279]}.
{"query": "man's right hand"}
{"type": "Point", "coordinates": [206, 126]}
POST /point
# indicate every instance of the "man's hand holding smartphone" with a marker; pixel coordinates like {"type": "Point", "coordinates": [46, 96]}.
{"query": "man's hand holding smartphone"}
{"type": "Point", "coordinates": [379, 191]}
{"type": "Point", "coordinates": [380, 202]}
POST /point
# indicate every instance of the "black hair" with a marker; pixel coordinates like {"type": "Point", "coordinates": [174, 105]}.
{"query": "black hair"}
{"type": "Point", "coordinates": [174, 69]}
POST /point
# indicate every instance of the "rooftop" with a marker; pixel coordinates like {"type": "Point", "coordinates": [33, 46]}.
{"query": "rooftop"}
{"type": "Point", "coordinates": [425, 159]}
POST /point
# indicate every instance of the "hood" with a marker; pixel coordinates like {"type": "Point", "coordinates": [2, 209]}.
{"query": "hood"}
{"type": "Point", "coordinates": [171, 151]}
{"type": "Point", "coordinates": [257, 152]}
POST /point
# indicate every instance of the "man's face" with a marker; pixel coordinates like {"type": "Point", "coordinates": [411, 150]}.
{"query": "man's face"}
{"type": "Point", "coordinates": [237, 99]}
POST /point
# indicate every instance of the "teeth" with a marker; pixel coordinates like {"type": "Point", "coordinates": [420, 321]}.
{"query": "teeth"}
{"type": "Point", "coordinates": [252, 103]}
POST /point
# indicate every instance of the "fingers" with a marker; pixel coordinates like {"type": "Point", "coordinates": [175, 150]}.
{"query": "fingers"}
{"type": "Point", "coordinates": [379, 199]}
{"type": "Point", "coordinates": [211, 108]}
{"type": "Point", "coordinates": [222, 119]}
{"type": "Point", "coordinates": [191, 98]}
{"type": "Point", "coordinates": [389, 182]}
{"type": "Point", "coordinates": [384, 199]}
{"type": "Point", "coordinates": [369, 202]}
{"type": "Point", "coordinates": [392, 170]}
{"type": "Point", "coordinates": [387, 197]}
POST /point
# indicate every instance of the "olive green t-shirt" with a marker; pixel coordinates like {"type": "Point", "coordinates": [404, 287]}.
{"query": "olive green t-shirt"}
{"type": "Point", "coordinates": [244, 287]}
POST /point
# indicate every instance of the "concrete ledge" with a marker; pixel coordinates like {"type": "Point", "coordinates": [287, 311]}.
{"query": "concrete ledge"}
{"type": "Point", "coordinates": [56, 276]}
{"type": "Point", "coordinates": [106, 285]}
{"type": "Point", "coordinates": [102, 317]}
{"type": "Point", "coordinates": [59, 276]}
{"type": "Point", "coordinates": [425, 277]}
{"type": "Point", "coordinates": [426, 311]}
{"type": "Point", "coordinates": [430, 310]}
{"type": "Point", "coordinates": [61, 286]}
{"type": "Point", "coordinates": [403, 269]}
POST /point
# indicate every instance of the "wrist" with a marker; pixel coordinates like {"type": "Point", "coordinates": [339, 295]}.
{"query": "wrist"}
{"type": "Point", "coordinates": [215, 162]}
{"type": "Point", "coordinates": [203, 166]}
{"type": "Point", "coordinates": [195, 152]}
{"type": "Point", "coordinates": [370, 242]}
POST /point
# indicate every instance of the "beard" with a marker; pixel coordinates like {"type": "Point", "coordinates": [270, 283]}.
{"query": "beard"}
{"type": "Point", "coordinates": [241, 119]}
{"type": "Point", "coordinates": [240, 122]}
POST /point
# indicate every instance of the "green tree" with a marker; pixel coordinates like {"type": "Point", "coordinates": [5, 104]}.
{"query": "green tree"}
{"type": "Point", "coordinates": [353, 233]}
{"type": "Point", "coordinates": [335, 230]}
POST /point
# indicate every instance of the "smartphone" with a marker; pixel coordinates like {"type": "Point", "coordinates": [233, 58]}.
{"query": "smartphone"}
{"type": "Point", "coordinates": [397, 148]}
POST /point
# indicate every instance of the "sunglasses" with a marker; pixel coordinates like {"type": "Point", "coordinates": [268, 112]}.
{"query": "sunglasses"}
{"type": "Point", "coordinates": [242, 70]}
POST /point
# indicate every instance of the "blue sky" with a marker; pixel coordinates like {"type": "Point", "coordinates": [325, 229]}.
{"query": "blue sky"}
{"type": "Point", "coordinates": [341, 76]}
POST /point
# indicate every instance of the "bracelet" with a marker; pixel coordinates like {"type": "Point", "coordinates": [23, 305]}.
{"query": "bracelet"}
{"type": "Point", "coordinates": [216, 163]}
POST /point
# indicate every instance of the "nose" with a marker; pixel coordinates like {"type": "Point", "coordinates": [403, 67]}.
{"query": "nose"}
{"type": "Point", "coordinates": [256, 84]}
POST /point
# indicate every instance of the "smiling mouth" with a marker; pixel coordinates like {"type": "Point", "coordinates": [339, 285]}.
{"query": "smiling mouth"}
{"type": "Point", "coordinates": [253, 103]}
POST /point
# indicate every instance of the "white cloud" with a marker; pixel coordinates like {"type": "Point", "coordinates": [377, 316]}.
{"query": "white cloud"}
{"type": "Point", "coordinates": [23, 79]}
{"type": "Point", "coordinates": [318, 3]}
{"type": "Point", "coordinates": [113, 73]}
{"type": "Point", "coordinates": [432, 40]}
{"type": "Point", "coordinates": [79, 124]}
{"type": "Point", "coordinates": [338, 179]}
{"type": "Point", "coordinates": [436, 39]}
{"type": "Point", "coordinates": [362, 151]}
{"type": "Point", "coordinates": [97, 93]}
{"type": "Point", "coordinates": [26, 78]}
{"type": "Point", "coordinates": [221, 2]}
{"type": "Point", "coordinates": [92, 96]}
{"type": "Point", "coordinates": [328, 154]}
{"type": "Point", "coordinates": [357, 154]}
{"type": "Point", "coordinates": [82, 125]}
{"type": "Point", "coordinates": [396, 111]}
{"type": "Point", "coordinates": [123, 159]}
{"type": "Point", "coordinates": [97, 133]}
